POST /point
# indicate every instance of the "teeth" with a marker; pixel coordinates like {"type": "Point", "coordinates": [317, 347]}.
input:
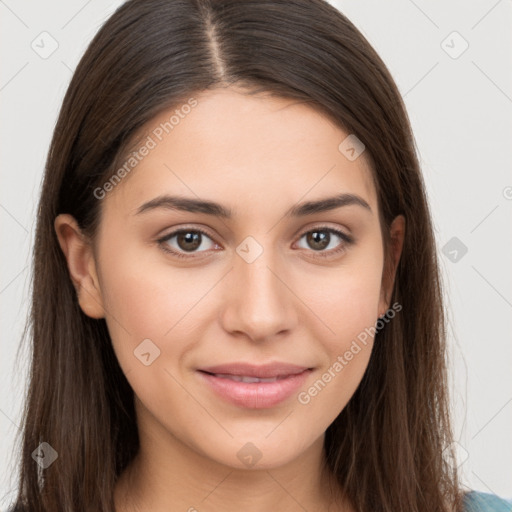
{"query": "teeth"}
{"type": "Point", "coordinates": [243, 378]}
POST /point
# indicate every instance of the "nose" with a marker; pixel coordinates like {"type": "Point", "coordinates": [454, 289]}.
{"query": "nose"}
{"type": "Point", "coordinates": [259, 302]}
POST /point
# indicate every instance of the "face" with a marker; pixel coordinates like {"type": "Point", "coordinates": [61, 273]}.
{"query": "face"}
{"type": "Point", "coordinates": [270, 284]}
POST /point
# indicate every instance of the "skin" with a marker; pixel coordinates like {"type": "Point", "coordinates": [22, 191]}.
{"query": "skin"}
{"type": "Point", "coordinates": [263, 156]}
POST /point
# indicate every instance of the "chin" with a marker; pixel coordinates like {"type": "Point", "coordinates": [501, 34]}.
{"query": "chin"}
{"type": "Point", "coordinates": [258, 454]}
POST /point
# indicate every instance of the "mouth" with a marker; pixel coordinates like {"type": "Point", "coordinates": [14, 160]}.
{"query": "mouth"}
{"type": "Point", "coordinates": [247, 378]}
{"type": "Point", "coordinates": [272, 370]}
{"type": "Point", "coordinates": [247, 390]}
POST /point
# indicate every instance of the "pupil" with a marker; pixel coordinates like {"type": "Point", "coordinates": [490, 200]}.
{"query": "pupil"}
{"type": "Point", "coordinates": [318, 239]}
{"type": "Point", "coordinates": [190, 240]}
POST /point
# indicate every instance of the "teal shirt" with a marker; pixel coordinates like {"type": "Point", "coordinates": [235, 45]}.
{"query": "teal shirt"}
{"type": "Point", "coordinates": [477, 501]}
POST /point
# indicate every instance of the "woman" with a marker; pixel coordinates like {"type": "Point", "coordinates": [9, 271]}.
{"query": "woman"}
{"type": "Point", "coordinates": [236, 298]}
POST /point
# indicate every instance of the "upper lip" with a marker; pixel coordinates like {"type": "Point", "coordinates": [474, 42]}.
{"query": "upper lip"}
{"type": "Point", "coordinates": [277, 369]}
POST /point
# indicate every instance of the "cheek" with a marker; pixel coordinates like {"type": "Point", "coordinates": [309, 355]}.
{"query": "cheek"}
{"type": "Point", "coordinates": [345, 302]}
{"type": "Point", "coordinates": [147, 300]}
{"type": "Point", "coordinates": [345, 299]}
{"type": "Point", "coordinates": [348, 313]}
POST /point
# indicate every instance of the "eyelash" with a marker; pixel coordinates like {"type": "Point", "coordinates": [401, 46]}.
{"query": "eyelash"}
{"type": "Point", "coordinates": [347, 240]}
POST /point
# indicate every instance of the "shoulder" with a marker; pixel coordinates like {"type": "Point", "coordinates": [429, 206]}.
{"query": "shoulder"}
{"type": "Point", "coordinates": [477, 501]}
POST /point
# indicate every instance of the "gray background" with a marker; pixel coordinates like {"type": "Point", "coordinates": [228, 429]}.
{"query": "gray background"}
{"type": "Point", "coordinates": [460, 105]}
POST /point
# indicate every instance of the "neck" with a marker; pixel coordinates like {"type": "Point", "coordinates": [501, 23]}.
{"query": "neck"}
{"type": "Point", "coordinates": [169, 475]}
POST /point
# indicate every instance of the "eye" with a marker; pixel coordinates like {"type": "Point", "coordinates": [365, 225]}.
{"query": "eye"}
{"type": "Point", "coordinates": [320, 238]}
{"type": "Point", "coordinates": [187, 240]}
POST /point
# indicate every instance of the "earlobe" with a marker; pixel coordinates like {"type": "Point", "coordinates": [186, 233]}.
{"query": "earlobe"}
{"type": "Point", "coordinates": [397, 235]}
{"type": "Point", "coordinates": [81, 265]}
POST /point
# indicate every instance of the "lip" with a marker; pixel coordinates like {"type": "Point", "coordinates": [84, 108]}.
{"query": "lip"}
{"type": "Point", "coordinates": [263, 371]}
{"type": "Point", "coordinates": [255, 395]}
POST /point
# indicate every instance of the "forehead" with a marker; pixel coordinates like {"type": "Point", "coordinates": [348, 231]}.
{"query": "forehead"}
{"type": "Point", "coordinates": [242, 150]}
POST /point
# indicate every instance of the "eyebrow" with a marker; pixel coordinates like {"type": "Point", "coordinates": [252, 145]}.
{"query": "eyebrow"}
{"type": "Point", "coordinates": [192, 205]}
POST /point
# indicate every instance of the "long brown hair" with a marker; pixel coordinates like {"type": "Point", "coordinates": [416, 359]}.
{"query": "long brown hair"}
{"type": "Point", "coordinates": [390, 448]}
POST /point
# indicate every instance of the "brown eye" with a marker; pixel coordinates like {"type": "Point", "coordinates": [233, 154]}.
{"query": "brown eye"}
{"type": "Point", "coordinates": [321, 238]}
{"type": "Point", "coordinates": [187, 241]}
{"type": "Point", "coordinates": [318, 240]}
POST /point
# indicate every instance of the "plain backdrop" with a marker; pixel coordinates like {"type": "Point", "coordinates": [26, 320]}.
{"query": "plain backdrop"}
{"type": "Point", "coordinates": [452, 63]}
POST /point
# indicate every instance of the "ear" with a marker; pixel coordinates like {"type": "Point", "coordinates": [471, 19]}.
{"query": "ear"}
{"type": "Point", "coordinates": [397, 233]}
{"type": "Point", "coordinates": [81, 265]}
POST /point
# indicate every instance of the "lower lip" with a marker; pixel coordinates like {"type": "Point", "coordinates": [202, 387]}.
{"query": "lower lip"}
{"type": "Point", "coordinates": [256, 395]}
